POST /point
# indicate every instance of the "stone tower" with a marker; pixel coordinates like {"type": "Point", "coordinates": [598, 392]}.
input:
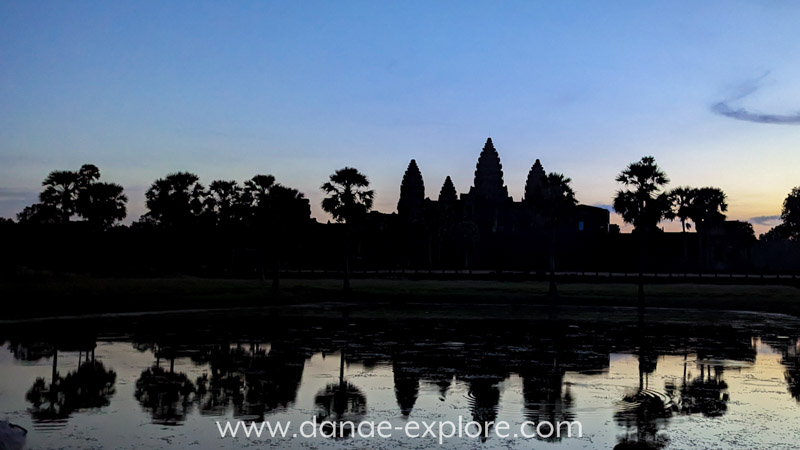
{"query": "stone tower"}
{"type": "Point", "coordinates": [489, 176]}
{"type": "Point", "coordinates": [448, 192]}
{"type": "Point", "coordinates": [536, 179]}
{"type": "Point", "coordinates": [412, 192]}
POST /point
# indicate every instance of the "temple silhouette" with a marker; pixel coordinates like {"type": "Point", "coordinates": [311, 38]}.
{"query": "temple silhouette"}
{"type": "Point", "coordinates": [485, 226]}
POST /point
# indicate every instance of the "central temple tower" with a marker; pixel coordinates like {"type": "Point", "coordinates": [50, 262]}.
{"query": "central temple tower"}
{"type": "Point", "coordinates": [489, 176]}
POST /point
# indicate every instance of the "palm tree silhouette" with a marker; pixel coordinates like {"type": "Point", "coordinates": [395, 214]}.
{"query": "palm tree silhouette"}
{"type": "Point", "coordinates": [554, 199]}
{"type": "Point", "coordinates": [681, 199]}
{"type": "Point", "coordinates": [223, 201]}
{"type": "Point", "coordinates": [102, 204]}
{"type": "Point", "coordinates": [175, 200]}
{"type": "Point", "coordinates": [348, 201]}
{"type": "Point", "coordinates": [338, 404]}
{"type": "Point", "coordinates": [706, 211]}
{"type": "Point", "coordinates": [642, 203]}
{"type": "Point", "coordinates": [290, 212]}
{"type": "Point", "coordinates": [256, 196]}
{"type": "Point", "coordinates": [61, 193]}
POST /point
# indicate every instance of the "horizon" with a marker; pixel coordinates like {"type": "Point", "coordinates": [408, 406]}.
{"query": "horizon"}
{"type": "Point", "coordinates": [301, 90]}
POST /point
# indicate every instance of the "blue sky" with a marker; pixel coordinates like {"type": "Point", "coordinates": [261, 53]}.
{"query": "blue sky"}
{"type": "Point", "coordinates": [300, 89]}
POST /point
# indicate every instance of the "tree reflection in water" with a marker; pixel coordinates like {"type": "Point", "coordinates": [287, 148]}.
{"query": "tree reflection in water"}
{"type": "Point", "coordinates": [166, 395]}
{"type": "Point", "coordinates": [248, 378]}
{"type": "Point", "coordinates": [647, 412]}
{"type": "Point", "coordinates": [705, 394]}
{"type": "Point", "coordinates": [340, 407]}
{"type": "Point", "coordinates": [90, 386]}
{"type": "Point", "coordinates": [547, 398]}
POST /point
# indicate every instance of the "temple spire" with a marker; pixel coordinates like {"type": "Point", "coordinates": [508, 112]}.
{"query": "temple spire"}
{"type": "Point", "coordinates": [536, 178]}
{"type": "Point", "coordinates": [448, 192]}
{"type": "Point", "coordinates": [412, 191]}
{"type": "Point", "coordinates": [489, 175]}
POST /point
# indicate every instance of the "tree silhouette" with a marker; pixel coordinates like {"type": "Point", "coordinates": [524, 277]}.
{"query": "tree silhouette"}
{"type": "Point", "coordinates": [102, 204]}
{"type": "Point", "coordinates": [67, 193]}
{"type": "Point", "coordinates": [224, 202]}
{"type": "Point", "coordinates": [39, 213]}
{"type": "Point", "coordinates": [339, 404]}
{"type": "Point", "coordinates": [257, 190]}
{"type": "Point", "coordinates": [706, 210]}
{"type": "Point", "coordinates": [290, 213]}
{"type": "Point", "coordinates": [175, 201]}
{"type": "Point", "coordinates": [554, 200]}
{"type": "Point", "coordinates": [642, 203]}
{"type": "Point", "coordinates": [790, 217]}
{"type": "Point", "coordinates": [256, 196]}
{"type": "Point", "coordinates": [88, 174]}
{"type": "Point", "coordinates": [681, 199]}
{"type": "Point", "coordinates": [348, 201]}
{"type": "Point", "coordinates": [707, 207]}
{"type": "Point", "coordinates": [60, 193]}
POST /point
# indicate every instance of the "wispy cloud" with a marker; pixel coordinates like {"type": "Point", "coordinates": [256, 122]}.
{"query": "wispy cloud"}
{"type": "Point", "coordinates": [766, 220]}
{"type": "Point", "coordinates": [724, 107]}
{"type": "Point", "coordinates": [12, 194]}
{"type": "Point", "coordinates": [608, 207]}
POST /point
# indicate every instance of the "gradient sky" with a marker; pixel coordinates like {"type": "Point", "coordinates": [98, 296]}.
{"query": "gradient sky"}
{"type": "Point", "coordinates": [299, 89]}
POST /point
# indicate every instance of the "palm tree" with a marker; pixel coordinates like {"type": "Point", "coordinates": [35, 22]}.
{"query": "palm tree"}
{"type": "Point", "coordinates": [67, 193]}
{"type": "Point", "coordinates": [102, 204]}
{"type": "Point", "coordinates": [348, 201]}
{"type": "Point", "coordinates": [222, 201]}
{"type": "Point", "coordinates": [554, 200]}
{"type": "Point", "coordinates": [707, 208]}
{"type": "Point", "coordinates": [681, 199]}
{"type": "Point", "coordinates": [290, 213]}
{"type": "Point", "coordinates": [60, 193]}
{"type": "Point", "coordinates": [176, 200]}
{"type": "Point", "coordinates": [256, 197]}
{"type": "Point", "coordinates": [642, 203]}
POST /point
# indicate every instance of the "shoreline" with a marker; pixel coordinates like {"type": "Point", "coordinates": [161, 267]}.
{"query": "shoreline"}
{"type": "Point", "coordinates": [67, 296]}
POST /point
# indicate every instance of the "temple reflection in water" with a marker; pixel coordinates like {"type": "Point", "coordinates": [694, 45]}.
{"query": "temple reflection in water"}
{"type": "Point", "coordinates": [255, 370]}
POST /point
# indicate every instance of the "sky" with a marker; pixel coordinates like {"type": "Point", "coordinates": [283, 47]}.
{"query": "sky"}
{"type": "Point", "coordinates": [299, 89]}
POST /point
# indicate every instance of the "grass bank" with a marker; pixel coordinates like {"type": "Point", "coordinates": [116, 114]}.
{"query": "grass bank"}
{"type": "Point", "coordinates": [55, 295]}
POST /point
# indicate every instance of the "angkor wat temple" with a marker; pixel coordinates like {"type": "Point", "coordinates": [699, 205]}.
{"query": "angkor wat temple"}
{"type": "Point", "coordinates": [485, 227]}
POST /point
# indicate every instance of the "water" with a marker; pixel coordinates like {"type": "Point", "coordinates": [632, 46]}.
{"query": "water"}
{"type": "Point", "coordinates": [665, 379]}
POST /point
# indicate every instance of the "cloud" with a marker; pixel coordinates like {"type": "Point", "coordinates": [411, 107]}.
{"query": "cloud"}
{"type": "Point", "coordinates": [749, 116]}
{"type": "Point", "coordinates": [608, 207]}
{"type": "Point", "coordinates": [765, 220]}
{"type": "Point", "coordinates": [724, 107]}
{"type": "Point", "coordinates": [12, 194]}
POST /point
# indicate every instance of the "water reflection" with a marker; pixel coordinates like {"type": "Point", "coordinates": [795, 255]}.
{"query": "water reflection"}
{"type": "Point", "coordinates": [790, 358]}
{"type": "Point", "coordinates": [253, 369]}
{"type": "Point", "coordinates": [340, 406]}
{"type": "Point", "coordinates": [705, 394]}
{"type": "Point", "coordinates": [90, 386]}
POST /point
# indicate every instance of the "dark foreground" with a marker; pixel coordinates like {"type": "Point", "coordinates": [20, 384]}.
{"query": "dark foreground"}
{"type": "Point", "coordinates": [664, 378]}
{"type": "Point", "coordinates": [36, 295]}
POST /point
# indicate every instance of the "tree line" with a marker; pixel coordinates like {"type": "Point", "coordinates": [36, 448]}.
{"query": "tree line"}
{"type": "Point", "coordinates": [277, 214]}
